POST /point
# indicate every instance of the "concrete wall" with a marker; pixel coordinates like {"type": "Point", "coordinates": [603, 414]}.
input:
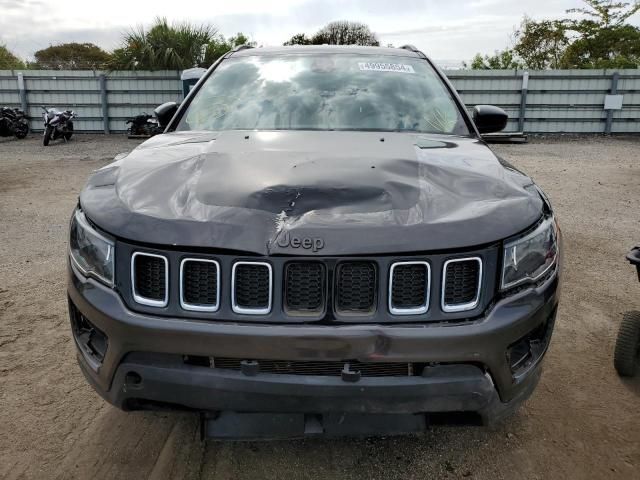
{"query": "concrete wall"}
{"type": "Point", "coordinates": [553, 101]}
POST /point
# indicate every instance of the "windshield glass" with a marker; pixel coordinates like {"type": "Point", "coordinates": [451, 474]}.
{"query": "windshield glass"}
{"type": "Point", "coordinates": [324, 92]}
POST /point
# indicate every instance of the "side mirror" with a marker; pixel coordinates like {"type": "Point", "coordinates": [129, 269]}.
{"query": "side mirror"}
{"type": "Point", "coordinates": [165, 112]}
{"type": "Point", "coordinates": [489, 118]}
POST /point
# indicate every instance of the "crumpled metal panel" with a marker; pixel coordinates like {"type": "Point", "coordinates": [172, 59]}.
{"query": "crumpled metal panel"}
{"type": "Point", "coordinates": [360, 192]}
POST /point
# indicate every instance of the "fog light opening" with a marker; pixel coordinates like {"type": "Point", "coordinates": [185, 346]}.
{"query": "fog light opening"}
{"type": "Point", "coordinates": [92, 341]}
{"type": "Point", "coordinates": [132, 378]}
{"type": "Point", "coordinates": [522, 354]}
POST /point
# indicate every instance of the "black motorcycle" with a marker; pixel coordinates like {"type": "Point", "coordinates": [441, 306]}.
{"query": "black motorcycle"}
{"type": "Point", "coordinates": [13, 122]}
{"type": "Point", "coordinates": [57, 124]}
{"type": "Point", "coordinates": [143, 126]}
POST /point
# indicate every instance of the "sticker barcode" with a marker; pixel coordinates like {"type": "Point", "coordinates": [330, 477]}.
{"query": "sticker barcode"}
{"type": "Point", "coordinates": [385, 67]}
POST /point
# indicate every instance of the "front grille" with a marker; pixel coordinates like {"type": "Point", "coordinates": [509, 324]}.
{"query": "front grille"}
{"type": "Point", "coordinates": [322, 368]}
{"type": "Point", "coordinates": [461, 284]}
{"type": "Point", "coordinates": [304, 287]}
{"type": "Point", "coordinates": [150, 279]}
{"type": "Point", "coordinates": [199, 284]}
{"type": "Point", "coordinates": [252, 287]}
{"type": "Point", "coordinates": [289, 289]}
{"type": "Point", "coordinates": [356, 287]}
{"type": "Point", "coordinates": [409, 290]}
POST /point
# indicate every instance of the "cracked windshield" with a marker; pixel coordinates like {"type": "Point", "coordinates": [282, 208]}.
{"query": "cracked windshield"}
{"type": "Point", "coordinates": [341, 92]}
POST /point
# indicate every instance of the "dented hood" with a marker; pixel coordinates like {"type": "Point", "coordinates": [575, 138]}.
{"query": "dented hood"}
{"type": "Point", "coordinates": [311, 193]}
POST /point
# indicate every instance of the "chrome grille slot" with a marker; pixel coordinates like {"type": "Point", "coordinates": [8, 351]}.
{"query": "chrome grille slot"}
{"type": "Point", "coordinates": [409, 288]}
{"type": "Point", "coordinates": [199, 284]}
{"type": "Point", "coordinates": [251, 288]}
{"type": "Point", "coordinates": [150, 279]}
{"type": "Point", "coordinates": [462, 278]}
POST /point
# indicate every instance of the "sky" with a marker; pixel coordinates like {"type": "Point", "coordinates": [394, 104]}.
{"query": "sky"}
{"type": "Point", "coordinates": [448, 31]}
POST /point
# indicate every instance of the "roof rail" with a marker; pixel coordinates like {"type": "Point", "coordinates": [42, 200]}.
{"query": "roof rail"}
{"type": "Point", "coordinates": [237, 49]}
{"type": "Point", "coordinates": [413, 49]}
{"type": "Point", "coordinates": [242, 47]}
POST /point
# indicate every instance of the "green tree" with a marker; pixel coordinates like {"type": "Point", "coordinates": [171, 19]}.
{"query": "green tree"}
{"type": "Point", "coordinates": [500, 60]}
{"type": "Point", "coordinates": [298, 39]}
{"type": "Point", "coordinates": [603, 40]}
{"type": "Point", "coordinates": [606, 13]}
{"type": "Point", "coordinates": [241, 39]}
{"type": "Point", "coordinates": [163, 47]}
{"type": "Point", "coordinates": [71, 56]}
{"type": "Point", "coordinates": [611, 47]}
{"type": "Point", "coordinates": [341, 32]}
{"type": "Point", "coordinates": [9, 61]}
{"type": "Point", "coordinates": [541, 44]}
{"type": "Point", "coordinates": [218, 46]}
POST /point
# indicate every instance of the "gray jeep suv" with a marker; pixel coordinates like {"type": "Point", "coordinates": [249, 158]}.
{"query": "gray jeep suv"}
{"type": "Point", "coordinates": [320, 234]}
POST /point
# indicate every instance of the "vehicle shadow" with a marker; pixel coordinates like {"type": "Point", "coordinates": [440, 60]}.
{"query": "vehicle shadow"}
{"type": "Point", "coordinates": [168, 445]}
{"type": "Point", "coordinates": [58, 142]}
{"type": "Point", "coordinates": [442, 451]}
{"type": "Point", "coordinates": [14, 139]}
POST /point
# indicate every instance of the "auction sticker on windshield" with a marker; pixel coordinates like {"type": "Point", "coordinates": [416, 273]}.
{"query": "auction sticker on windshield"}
{"type": "Point", "coordinates": [385, 67]}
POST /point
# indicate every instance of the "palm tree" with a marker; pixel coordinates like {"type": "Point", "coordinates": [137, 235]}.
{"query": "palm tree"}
{"type": "Point", "coordinates": [163, 47]}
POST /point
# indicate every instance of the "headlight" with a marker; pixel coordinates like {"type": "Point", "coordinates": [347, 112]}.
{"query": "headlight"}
{"type": "Point", "coordinates": [90, 251]}
{"type": "Point", "coordinates": [528, 258]}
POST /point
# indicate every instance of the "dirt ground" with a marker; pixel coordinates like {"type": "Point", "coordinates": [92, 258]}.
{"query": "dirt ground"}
{"type": "Point", "coordinates": [583, 421]}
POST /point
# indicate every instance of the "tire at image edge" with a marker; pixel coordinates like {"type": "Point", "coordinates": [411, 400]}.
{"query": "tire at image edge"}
{"type": "Point", "coordinates": [625, 358]}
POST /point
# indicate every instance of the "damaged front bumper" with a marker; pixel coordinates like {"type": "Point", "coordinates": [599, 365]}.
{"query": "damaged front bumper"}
{"type": "Point", "coordinates": [487, 366]}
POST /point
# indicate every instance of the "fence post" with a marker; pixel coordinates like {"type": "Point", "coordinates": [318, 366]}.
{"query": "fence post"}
{"type": "Point", "coordinates": [22, 91]}
{"type": "Point", "coordinates": [523, 101]}
{"type": "Point", "coordinates": [105, 106]}
{"type": "Point", "coordinates": [614, 91]}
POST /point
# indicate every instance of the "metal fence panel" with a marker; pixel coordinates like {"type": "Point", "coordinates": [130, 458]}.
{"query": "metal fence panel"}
{"type": "Point", "coordinates": [9, 99]}
{"type": "Point", "coordinates": [555, 101]}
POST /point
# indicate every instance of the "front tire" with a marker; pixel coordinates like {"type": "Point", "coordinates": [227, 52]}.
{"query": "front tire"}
{"type": "Point", "coordinates": [21, 131]}
{"type": "Point", "coordinates": [69, 132]}
{"type": "Point", "coordinates": [625, 358]}
{"type": "Point", "coordinates": [47, 135]}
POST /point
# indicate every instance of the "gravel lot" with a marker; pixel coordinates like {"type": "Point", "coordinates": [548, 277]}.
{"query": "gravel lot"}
{"type": "Point", "coordinates": [582, 422]}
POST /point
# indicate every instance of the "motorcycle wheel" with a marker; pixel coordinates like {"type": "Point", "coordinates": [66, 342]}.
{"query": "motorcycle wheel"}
{"type": "Point", "coordinates": [47, 135]}
{"type": "Point", "coordinates": [67, 135]}
{"type": "Point", "coordinates": [21, 131]}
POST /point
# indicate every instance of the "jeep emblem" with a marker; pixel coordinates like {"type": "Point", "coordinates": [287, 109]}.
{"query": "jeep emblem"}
{"type": "Point", "coordinates": [308, 243]}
